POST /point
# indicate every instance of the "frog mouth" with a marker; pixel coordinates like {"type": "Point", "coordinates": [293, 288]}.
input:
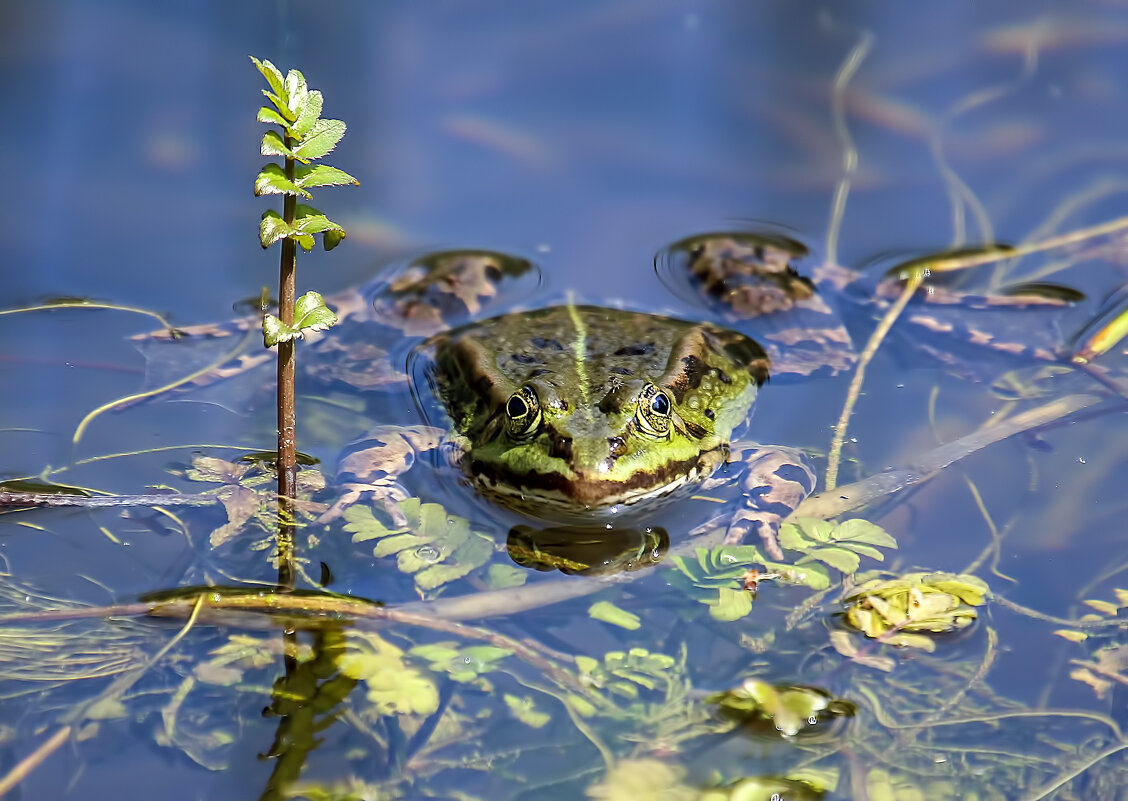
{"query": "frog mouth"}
{"type": "Point", "coordinates": [586, 497]}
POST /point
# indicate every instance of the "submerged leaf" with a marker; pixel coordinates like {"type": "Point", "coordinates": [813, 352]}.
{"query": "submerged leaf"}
{"type": "Point", "coordinates": [609, 613]}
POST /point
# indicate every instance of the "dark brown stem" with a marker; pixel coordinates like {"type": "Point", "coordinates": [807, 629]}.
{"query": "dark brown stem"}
{"type": "Point", "coordinates": [287, 437]}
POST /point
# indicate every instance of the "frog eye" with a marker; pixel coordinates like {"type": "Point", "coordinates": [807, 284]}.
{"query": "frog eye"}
{"type": "Point", "coordinates": [653, 415]}
{"type": "Point", "coordinates": [523, 414]}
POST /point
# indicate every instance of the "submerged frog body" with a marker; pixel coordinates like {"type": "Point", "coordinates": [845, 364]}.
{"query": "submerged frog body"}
{"type": "Point", "coordinates": [574, 410]}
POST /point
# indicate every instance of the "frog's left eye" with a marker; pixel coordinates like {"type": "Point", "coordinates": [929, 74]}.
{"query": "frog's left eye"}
{"type": "Point", "coordinates": [652, 418]}
{"type": "Point", "coordinates": [523, 414]}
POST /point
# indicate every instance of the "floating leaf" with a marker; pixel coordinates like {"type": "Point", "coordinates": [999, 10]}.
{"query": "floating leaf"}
{"type": "Point", "coordinates": [1102, 606]}
{"type": "Point", "coordinates": [730, 604]}
{"type": "Point", "coordinates": [858, 530]}
{"type": "Point", "coordinates": [609, 613]}
{"type": "Point", "coordinates": [838, 558]}
{"type": "Point", "coordinates": [462, 664]}
{"type": "Point", "coordinates": [916, 602]}
{"type": "Point", "coordinates": [789, 708]}
{"type": "Point", "coordinates": [1071, 635]}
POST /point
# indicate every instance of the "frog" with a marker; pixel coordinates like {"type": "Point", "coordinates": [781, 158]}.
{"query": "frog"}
{"type": "Point", "coordinates": [588, 414]}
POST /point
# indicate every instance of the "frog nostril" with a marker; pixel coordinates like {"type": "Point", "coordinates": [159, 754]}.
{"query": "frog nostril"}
{"type": "Point", "coordinates": [617, 445]}
{"type": "Point", "coordinates": [561, 448]}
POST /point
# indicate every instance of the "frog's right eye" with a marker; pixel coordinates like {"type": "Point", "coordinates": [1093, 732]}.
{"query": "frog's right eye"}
{"type": "Point", "coordinates": [523, 414]}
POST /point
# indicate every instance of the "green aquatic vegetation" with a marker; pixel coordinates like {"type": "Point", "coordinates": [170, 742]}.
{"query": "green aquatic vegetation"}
{"type": "Point", "coordinates": [394, 687]}
{"type": "Point", "coordinates": [433, 545]}
{"type": "Point", "coordinates": [789, 709]}
{"type": "Point", "coordinates": [840, 546]}
{"type": "Point", "coordinates": [616, 616]}
{"type": "Point", "coordinates": [304, 137]}
{"type": "Point", "coordinates": [462, 664]}
{"type": "Point", "coordinates": [625, 673]}
{"type": "Point", "coordinates": [900, 611]}
{"type": "Point", "coordinates": [724, 578]}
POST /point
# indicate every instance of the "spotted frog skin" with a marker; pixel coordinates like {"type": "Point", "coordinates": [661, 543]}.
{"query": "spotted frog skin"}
{"type": "Point", "coordinates": [576, 410]}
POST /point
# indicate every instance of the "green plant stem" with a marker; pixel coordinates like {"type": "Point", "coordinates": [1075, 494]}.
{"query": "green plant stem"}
{"type": "Point", "coordinates": [875, 340]}
{"type": "Point", "coordinates": [287, 424]}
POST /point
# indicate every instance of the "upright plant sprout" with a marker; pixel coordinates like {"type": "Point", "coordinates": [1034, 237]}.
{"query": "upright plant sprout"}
{"type": "Point", "coordinates": [304, 137]}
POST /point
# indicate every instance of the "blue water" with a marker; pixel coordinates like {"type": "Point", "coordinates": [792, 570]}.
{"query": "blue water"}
{"type": "Point", "coordinates": [584, 136]}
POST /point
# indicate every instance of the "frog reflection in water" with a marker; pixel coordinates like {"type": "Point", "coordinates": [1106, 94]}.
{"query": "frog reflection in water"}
{"type": "Point", "coordinates": [575, 413]}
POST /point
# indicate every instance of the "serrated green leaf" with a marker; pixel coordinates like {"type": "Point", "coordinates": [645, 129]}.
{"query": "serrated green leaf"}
{"type": "Point", "coordinates": [272, 181]}
{"type": "Point", "coordinates": [272, 228]}
{"type": "Point", "coordinates": [275, 331]}
{"type": "Point", "coordinates": [858, 530]}
{"type": "Point", "coordinates": [308, 109]}
{"type": "Point", "coordinates": [270, 116]}
{"type": "Point", "coordinates": [272, 74]}
{"type": "Point", "coordinates": [274, 145]}
{"type": "Point", "coordinates": [730, 604]}
{"type": "Point", "coordinates": [296, 89]}
{"type": "Point", "coordinates": [322, 175]}
{"type": "Point", "coordinates": [609, 613]}
{"type": "Point", "coordinates": [314, 224]}
{"type": "Point", "coordinates": [363, 524]}
{"type": "Point", "coordinates": [330, 239]}
{"type": "Point", "coordinates": [320, 141]}
{"type": "Point", "coordinates": [838, 558]}
{"type": "Point", "coordinates": [311, 313]}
